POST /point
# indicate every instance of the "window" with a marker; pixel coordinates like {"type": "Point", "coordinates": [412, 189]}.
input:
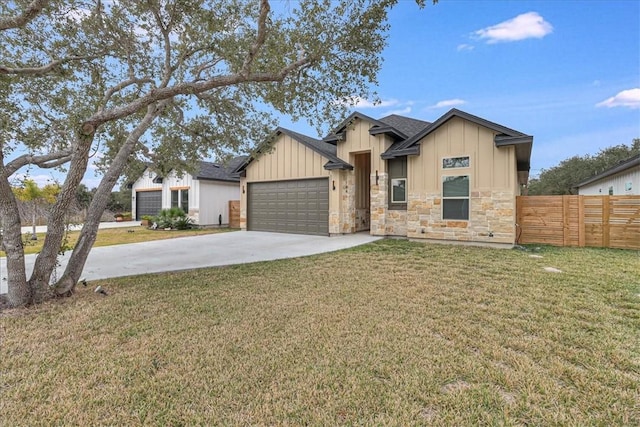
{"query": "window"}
{"type": "Point", "coordinates": [398, 183]}
{"type": "Point", "coordinates": [455, 162]}
{"type": "Point", "coordinates": [399, 190]}
{"type": "Point", "coordinates": [455, 197]}
{"type": "Point", "coordinates": [180, 199]}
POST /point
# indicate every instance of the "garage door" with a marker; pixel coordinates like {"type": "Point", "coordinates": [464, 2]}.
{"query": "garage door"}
{"type": "Point", "coordinates": [300, 206]}
{"type": "Point", "coordinates": [148, 203]}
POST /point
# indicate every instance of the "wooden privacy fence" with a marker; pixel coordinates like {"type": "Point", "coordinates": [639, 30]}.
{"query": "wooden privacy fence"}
{"type": "Point", "coordinates": [601, 221]}
{"type": "Point", "coordinates": [234, 213]}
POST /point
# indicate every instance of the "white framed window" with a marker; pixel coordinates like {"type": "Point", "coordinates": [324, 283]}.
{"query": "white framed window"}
{"type": "Point", "coordinates": [455, 197]}
{"type": "Point", "coordinates": [399, 190]}
{"type": "Point", "coordinates": [455, 162]}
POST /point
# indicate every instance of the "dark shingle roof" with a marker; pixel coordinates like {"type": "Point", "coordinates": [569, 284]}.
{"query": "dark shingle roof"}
{"type": "Point", "coordinates": [406, 125]}
{"type": "Point", "coordinates": [220, 172]}
{"type": "Point", "coordinates": [620, 167]}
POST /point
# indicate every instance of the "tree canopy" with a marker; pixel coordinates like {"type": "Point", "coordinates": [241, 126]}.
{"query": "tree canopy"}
{"type": "Point", "coordinates": [563, 178]}
{"type": "Point", "coordinates": [165, 82]}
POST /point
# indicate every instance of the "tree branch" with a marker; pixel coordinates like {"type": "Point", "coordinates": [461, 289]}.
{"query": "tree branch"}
{"type": "Point", "coordinates": [117, 88]}
{"type": "Point", "coordinates": [262, 35]}
{"type": "Point", "coordinates": [45, 161]}
{"type": "Point", "coordinates": [37, 71]}
{"type": "Point", "coordinates": [23, 19]}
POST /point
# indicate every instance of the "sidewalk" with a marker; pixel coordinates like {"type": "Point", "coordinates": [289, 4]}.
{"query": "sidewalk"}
{"type": "Point", "coordinates": [113, 224]}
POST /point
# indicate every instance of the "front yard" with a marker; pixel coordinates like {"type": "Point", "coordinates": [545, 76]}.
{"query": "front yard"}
{"type": "Point", "coordinates": [391, 333]}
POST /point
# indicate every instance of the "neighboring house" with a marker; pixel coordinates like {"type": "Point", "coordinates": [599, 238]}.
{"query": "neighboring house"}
{"type": "Point", "coordinates": [454, 179]}
{"type": "Point", "coordinates": [622, 179]}
{"type": "Point", "coordinates": [204, 196]}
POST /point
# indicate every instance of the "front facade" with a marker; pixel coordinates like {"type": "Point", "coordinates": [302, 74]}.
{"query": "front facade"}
{"type": "Point", "coordinates": [622, 179]}
{"type": "Point", "coordinates": [204, 196]}
{"type": "Point", "coordinates": [454, 179]}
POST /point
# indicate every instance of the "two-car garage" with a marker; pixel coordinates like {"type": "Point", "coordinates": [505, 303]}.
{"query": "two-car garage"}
{"type": "Point", "coordinates": [293, 206]}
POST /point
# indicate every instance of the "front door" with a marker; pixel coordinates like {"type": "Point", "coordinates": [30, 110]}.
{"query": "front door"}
{"type": "Point", "coordinates": [362, 170]}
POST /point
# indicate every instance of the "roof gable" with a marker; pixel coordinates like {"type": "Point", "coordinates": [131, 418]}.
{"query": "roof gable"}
{"type": "Point", "coordinates": [325, 149]}
{"type": "Point", "coordinates": [504, 137]}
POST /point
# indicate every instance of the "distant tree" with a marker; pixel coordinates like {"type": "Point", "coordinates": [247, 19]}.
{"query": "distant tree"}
{"type": "Point", "coordinates": [83, 196]}
{"type": "Point", "coordinates": [120, 201]}
{"type": "Point", "coordinates": [36, 199]}
{"type": "Point", "coordinates": [562, 179]}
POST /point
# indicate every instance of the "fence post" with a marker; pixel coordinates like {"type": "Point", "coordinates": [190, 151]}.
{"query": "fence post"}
{"type": "Point", "coordinates": [581, 227]}
{"type": "Point", "coordinates": [565, 221]}
{"type": "Point", "coordinates": [605, 221]}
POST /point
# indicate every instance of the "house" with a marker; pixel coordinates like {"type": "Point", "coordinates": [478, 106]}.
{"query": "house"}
{"type": "Point", "coordinates": [454, 179]}
{"type": "Point", "coordinates": [204, 196]}
{"type": "Point", "coordinates": [622, 179]}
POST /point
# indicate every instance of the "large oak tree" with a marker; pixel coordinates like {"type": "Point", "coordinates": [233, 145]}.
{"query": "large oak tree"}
{"type": "Point", "coordinates": [166, 81]}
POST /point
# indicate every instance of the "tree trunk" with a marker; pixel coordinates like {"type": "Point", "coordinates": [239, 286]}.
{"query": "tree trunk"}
{"type": "Point", "coordinates": [19, 290]}
{"type": "Point", "coordinates": [73, 271]}
{"type": "Point", "coordinates": [48, 257]}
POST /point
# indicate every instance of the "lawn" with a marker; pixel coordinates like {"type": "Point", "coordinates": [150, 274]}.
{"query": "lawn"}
{"type": "Point", "coordinates": [119, 236]}
{"type": "Point", "coordinates": [391, 333]}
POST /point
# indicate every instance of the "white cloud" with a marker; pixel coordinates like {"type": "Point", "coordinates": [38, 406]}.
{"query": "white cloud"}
{"type": "Point", "coordinates": [627, 98]}
{"type": "Point", "coordinates": [464, 47]}
{"type": "Point", "coordinates": [525, 26]}
{"type": "Point", "coordinates": [449, 103]}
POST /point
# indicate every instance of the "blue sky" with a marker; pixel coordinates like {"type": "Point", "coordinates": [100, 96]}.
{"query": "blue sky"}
{"type": "Point", "coordinates": [566, 72]}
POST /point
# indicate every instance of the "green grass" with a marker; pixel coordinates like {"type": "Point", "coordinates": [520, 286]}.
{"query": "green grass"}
{"type": "Point", "coordinates": [391, 333]}
{"type": "Point", "coordinates": [119, 236]}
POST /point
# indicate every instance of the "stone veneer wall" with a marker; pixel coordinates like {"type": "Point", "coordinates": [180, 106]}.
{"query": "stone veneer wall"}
{"type": "Point", "coordinates": [491, 218]}
{"type": "Point", "coordinates": [385, 221]}
{"type": "Point", "coordinates": [348, 204]}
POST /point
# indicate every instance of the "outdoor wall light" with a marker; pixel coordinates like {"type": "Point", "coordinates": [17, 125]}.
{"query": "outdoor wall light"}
{"type": "Point", "coordinates": [334, 185]}
{"type": "Point", "coordinates": [243, 189]}
{"type": "Point", "coordinates": [377, 177]}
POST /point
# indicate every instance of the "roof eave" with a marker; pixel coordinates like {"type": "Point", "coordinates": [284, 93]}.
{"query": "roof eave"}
{"type": "Point", "coordinates": [634, 161]}
{"type": "Point", "coordinates": [411, 151]}
{"type": "Point", "coordinates": [337, 166]}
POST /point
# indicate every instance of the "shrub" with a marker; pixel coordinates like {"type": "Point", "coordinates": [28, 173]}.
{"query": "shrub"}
{"type": "Point", "coordinates": [170, 218]}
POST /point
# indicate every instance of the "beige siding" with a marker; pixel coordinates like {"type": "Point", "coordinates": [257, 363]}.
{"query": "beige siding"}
{"type": "Point", "coordinates": [288, 159]}
{"type": "Point", "coordinates": [358, 140]}
{"type": "Point", "coordinates": [489, 167]}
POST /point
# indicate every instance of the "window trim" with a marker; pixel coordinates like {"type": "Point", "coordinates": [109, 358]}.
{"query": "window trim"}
{"type": "Point", "coordinates": [443, 167]}
{"type": "Point", "coordinates": [467, 198]}
{"type": "Point", "coordinates": [180, 198]}
{"type": "Point", "coordinates": [398, 202]}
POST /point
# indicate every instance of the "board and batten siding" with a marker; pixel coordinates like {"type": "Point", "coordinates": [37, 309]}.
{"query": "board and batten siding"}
{"type": "Point", "coordinates": [358, 140]}
{"type": "Point", "coordinates": [287, 159]}
{"type": "Point", "coordinates": [143, 183]}
{"type": "Point", "coordinates": [619, 182]}
{"type": "Point", "coordinates": [490, 168]}
{"type": "Point", "coordinates": [182, 182]}
{"type": "Point", "coordinates": [213, 198]}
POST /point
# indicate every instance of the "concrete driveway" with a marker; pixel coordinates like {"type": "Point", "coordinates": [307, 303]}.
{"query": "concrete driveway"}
{"type": "Point", "coordinates": [210, 250]}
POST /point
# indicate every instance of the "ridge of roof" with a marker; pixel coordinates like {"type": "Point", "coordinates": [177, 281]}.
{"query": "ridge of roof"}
{"type": "Point", "coordinates": [407, 125]}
